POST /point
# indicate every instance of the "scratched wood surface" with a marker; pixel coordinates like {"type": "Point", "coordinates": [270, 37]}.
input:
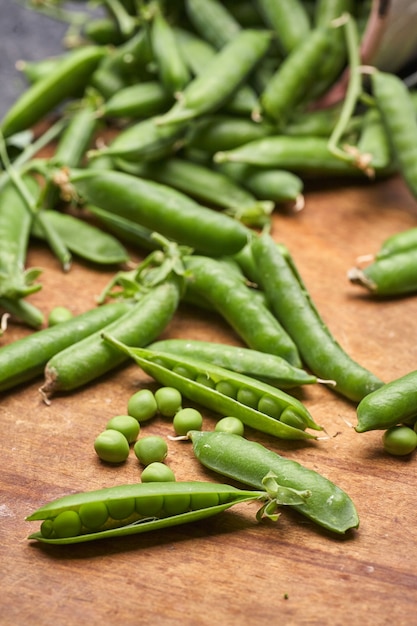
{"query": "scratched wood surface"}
{"type": "Point", "coordinates": [230, 569]}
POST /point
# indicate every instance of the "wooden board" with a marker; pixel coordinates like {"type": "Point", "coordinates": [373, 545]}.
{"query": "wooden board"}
{"type": "Point", "coordinates": [230, 569]}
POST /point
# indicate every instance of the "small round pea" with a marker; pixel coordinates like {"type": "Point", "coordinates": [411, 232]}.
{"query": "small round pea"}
{"type": "Point", "coordinates": [67, 524]}
{"type": "Point", "coordinates": [47, 528]}
{"type": "Point", "coordinates": [111, 446]}
{"type": "Point", "coordinates": [168, 400]}
{"type": "Point", "coordinates": [157, 472]}
{"type": "Point", "coordinates": [151, 449]}
{"type": "Point", "coordinates": [174, 505]}
{"type": "Point", "coordinates": [399, 440]}
{"type": "Point", "coordinates": [186, 420]}
{"type": "Point", "coordinates": [93, 515]}
{"type": "Point", "coordinates": [149, 506]}
{"type": "Point", "coordinates": [121, 509]}
{"type": "Point", "coordinates": [230, 425]}
{"type": "Point", "coordinates": [226, 388]}
{"type": "Point", "coordinates": [125, 424]}
{"type": "Point", "coordinates": [59, 314]}
{"type": "Point", "coordinates": [142, 405]}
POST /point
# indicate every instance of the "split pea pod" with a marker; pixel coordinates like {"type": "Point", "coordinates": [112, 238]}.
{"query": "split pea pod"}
{"type": "Point", "coordinates": [295, 310]}
{"type": "Point", "coordinates": [394, 403]}
{"type": "Point", "coordinates": [248, 462]}
{"type": "Point", "coordinates": [25, 359]}
{"type": "Point", "coordinates": [267, 367]}
{"type": "Point", "coordinates": [258, 405]}
{"type": "Point", "coordinates": [228, 69]}
{"type": "Point", "coordinates": [71, 75]}
{"type": "Point", "coordinates": [131, 509]}
{"type": "Point", "coordinates": [160, 208]}
{"type": "Point", "coordinates": [232, 298]}
{"type": "Point", "coordinates": [393, 275]}
{"type": "Point", "coordinates": [88, 359]}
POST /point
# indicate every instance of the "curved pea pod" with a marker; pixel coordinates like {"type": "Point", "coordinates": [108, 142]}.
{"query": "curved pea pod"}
{"type": "Point", "coordinates": [160, 208]}
{"type": "Point", "coordinates": [256, 404]}
{"type": "Point", "coordinates": [88, 359]}
{"type": "Point", "coordinates": [24, 359]}
{"type": "Point", "coordinates": [267, 367]}
{"type": "Point", "coordinates": [392, 404]}
{"type": "Point", "coordinates": [132, 509]}
{"type": "Point", "coordinates": [394, 275]}
{"type": "Point", "coordinates": [248, 462]}
{"type": "Point", "coordinates": [295, 310]}
{"type": "Point", "coordinates": [136, 101]}
{"type": "Point", "coordinates": [71, 74]}
{"type": "Point", "coordinates": [85, 240]}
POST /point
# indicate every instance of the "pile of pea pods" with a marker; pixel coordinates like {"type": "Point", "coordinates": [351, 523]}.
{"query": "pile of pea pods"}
{"type": "Point", "coordinates": [180, 127]}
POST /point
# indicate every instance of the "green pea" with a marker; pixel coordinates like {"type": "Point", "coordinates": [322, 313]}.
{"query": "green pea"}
{"type": "Point", "coordinates": [292, 419]}
{"type": "Point", "coordinates": [268, 406]}
{"type": "Point", "coordinates": [151, 449]}
{"type": "Point", "coordinates": [230, 425]}
{"type": "Point", "coordinates": [176, 504]}
{"type": "Point", "coordinates": [111, 446]}
{"type": "Point", "coordinates": [182, 371]}
{"type": "Point", "coordinates": [93, 515]}
{"type": "Point", "coordinates": [157, 472]}
{"type": "Point", "coordinates": [150, 505]}
{"type": "Point", "coordinates": [67, 524]}
{"type": "Point", "coordinates": [203, 500]}
{"type": "Point", "coordinates": [203, 379]}
{"type": "Point", "coordinates": [399, 440]}
{"type": "Point", "coordinates": [125, 424]}
{"type": "Point", "coordinates": [226, 388]}
{"type": "Point", "coordinates": [142, 405]}
{"type": "Point", "coordinates": [47, 528]}
{"type": "Point", "coordinates": [187, 419]}
{"type": "Point", "coordinates": [59, 314]}
{"type": "Point", "coordinates": [247, 397]}
{"type": "Point", "coordinates": [168, 400]}
{"type": "Point", "coordinates": [121, 509]}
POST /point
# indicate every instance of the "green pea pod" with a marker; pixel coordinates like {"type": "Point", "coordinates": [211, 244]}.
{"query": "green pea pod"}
{"type": "Point", "coordinates": [160, 208]}
{"type": "Point", "coordinates": [23, 310]}
{"type": "Point", "coordinates": [213, 21]}
{"type": "Point", "coordinates": [136, 101]}
{"type": "Point", "coordinates": [289, 19]}
{"type": "Point", "coordinates": [131, 509]}
{"type": "Point", "coordinates": [249, 462]}
{"type": "Point", "coordinates": [256, 404]}
{"type": "Point", "coordinates": [125, 230]}
{"type": "Point", "coordinates": [399, 242]}
{"type": "Point", "coordinates": [267, 367]}
{"type": "Point", "coordinates": [393, 275]}
{"type": "Point", "coordinates": [85, 240]}
{"type": "Point", "coordinates": [41, 98]}
{"type": "Point", "coordinates": [25, 359]}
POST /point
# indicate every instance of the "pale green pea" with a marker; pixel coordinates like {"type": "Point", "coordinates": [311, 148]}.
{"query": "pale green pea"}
{"type": "Point", "coordinates": [182, 371]}
{"type": "Point", "coordinates": [149, 506]}
{"type": "Point", "coordinates": [230, 425]}
{"type": "Point", "coordinates": [151, 449]}
{"type": "Point", "coordinates": [399, 440]}
{"type": "Point", "coordinates": [67, 524]}
{"type": "Point", "coordinates": [125, 424]}
{"type": "Point", "coordinates": [111, 446]}
{"type": "Point", "coordinates": [268, 406]}
{"type": "Point", "coordinates": [174, 505]}
{"type": "Point", "coordinates": [121, 509]}
{"type": "Point", "coordinates": [186, 420]}
{"type": "Point", "coordinates": [93, 515]}
{"type": "Point", "coordinates": [142, 405]}
{"type": "Point", "coordinates": [292, 419]}
{"type": "Point", "coordinates": [47, 528]}
{"type": "Point", "coordinates": [226, 388]}
{"type": "Point", "coordinates": [168, 400]}
{"type": "Point", "coordinates": [203, 500]}
{"type": "Point", "coordinates": [157, 472]}
{"type": "Point", "coordinates": [59, 314]}
{"type": "Point", "coordinates": [248, 397]}
{"type": "Point", "coordinates": [202, 379]}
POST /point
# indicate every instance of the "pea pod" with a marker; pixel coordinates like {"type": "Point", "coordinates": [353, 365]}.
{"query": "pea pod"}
{"type": "Point", "coordinates": [131, 509]}
{"type": "Point", "coordinates": [399, 242]}
{"type": "Point", "coordinates": [393, 275]}
{"type": "Point", "coordinates": [267, 367]}
{"type": "Point", "coordinates": [289, 20]}
{"type": "Point", "coordinates": [392, 404]}
{"type": "Point", "coordinates": [256, 404]}
{"type": "Point", "coordinates": [213, 21]}
{"type": "Point", "coordinates": [248, 462]}
{"type": "Point", "coordinates": [136, 101]}
{"type": "Point", "coordinates": [25, 359]}
{"type": "Point", "coordinates": [71, 74]}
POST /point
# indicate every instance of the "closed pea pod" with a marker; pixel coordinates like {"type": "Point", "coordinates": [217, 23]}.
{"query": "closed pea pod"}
{"type": "Point", "coordinates": [213, 21]}
{"type": "Point", "coordinates": [292, 305]}
{"type": "Point", "coordinates": [226, 392]}
{"type": "Point", "coordinates": [152, 509]}
{"type": "Point", "coordinates": [213, 133]}
{"type": "Point", "coordinates": [289, 19]}
{"type": "Point", "coordinates": [248, 462]}
{"type": "Point", "coordinates": [393, 275]}
{"type": "Point", "coordinates": [136, 101]}
{"type": "Point", "coordinates": [399, 242]}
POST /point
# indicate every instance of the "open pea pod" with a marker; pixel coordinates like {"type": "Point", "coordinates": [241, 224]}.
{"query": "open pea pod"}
{"type": "Point", "coordinates": [132, 509]}
{"type": "Point", "coordinates": [257, 404]}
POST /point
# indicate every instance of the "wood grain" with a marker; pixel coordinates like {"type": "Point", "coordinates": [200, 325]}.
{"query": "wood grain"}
{"type": "Point", "coordinates": [230, 569]}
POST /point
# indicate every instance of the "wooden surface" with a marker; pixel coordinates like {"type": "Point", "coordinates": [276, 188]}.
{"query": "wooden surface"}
{"type": "Point", "coordinates": [230, 569]}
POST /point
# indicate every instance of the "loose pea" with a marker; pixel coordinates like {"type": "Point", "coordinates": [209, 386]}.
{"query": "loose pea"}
{"type": "Point", "coordinates": [187, 419]}
{"type": "Point", "coordinates": [59, 314]}
{"type": "Point", "coordinates": [121, 509]}
{"type": "Point", "coordinates": [399, 440]}
{"type": "Point", "coordinates": [151, 449]}
{"type": "Point", "coordinates": [142, 405]}
{"type": "Point", "coordinates": [67, 524]}
{"type": "Point", "coordinates": [112, 446]}
{"type": "Point", "coordinates": [168, 400]}
{"type": "Point", "coordinates": [157, 472]}
{"type": "Point", "coordinates": [93, 514]}
{"type": "Point", "coordinates": [231, 425]}
{"type": "Point", "coordinates": [125, 424]}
